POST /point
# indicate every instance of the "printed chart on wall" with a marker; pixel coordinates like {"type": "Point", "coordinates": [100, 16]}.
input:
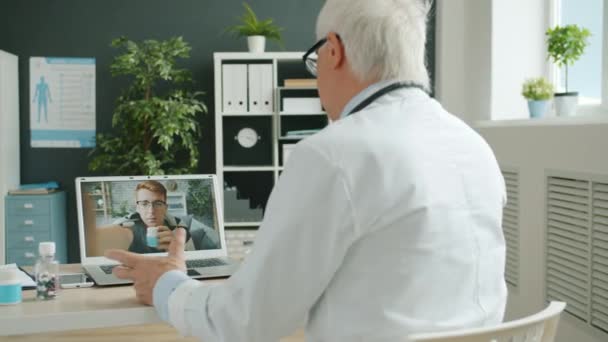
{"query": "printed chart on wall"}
{"type": "Point", "coordinates": [62, 102]}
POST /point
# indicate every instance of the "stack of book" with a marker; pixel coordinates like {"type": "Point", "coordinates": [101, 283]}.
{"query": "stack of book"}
{"type": "Point", "coordinates": [300, 83]}
{"type": "Point", "coordinates": [35, 189]}
{"type": "Point", "coordinates": [299, 134]}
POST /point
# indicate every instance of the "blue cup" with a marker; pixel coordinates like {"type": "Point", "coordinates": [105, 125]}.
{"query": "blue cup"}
{"type": "Point", "coordinates": [10, 294]}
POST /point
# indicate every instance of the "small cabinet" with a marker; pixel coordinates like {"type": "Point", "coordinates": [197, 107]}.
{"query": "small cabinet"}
{"type": "Point", "coordinates": [31, 219]}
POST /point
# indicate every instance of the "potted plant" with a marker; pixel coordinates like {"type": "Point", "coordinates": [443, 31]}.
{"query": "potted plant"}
{"type": "Point", "coordinates": [156, 119]}
{"type": "Point", "coordinates": [538, 92]}
{"type": "Point", "coordinates": [256, 30]}
{"type": "Point", "coordinates": [565, 45]}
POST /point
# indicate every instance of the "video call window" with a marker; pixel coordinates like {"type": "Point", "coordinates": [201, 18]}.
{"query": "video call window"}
{"type": "Point", "coordinates": [139, 215]}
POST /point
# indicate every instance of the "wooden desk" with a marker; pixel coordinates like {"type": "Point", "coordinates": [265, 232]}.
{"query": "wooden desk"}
{"type": "Point", "coordinates": [107, 314]}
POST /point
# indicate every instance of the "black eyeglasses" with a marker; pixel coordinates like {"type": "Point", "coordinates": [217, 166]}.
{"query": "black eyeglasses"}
{"type": "Point", "coordinates": [310, 57]}
{"type": "Point", "coordinates": [148, 204]}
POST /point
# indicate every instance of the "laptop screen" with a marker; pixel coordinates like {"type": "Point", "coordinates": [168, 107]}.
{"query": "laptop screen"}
{"type": "Point", "coordinates": [138, 214]}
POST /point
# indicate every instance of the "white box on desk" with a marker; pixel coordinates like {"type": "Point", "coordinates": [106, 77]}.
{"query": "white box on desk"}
{"type": "Point", "coordinates": [287, 148]}
{"type": "Point", "coordinates": [302, 105]}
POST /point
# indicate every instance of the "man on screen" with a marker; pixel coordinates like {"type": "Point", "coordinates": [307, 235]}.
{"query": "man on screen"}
{"type": "Point", "coordinates": [151, 204]}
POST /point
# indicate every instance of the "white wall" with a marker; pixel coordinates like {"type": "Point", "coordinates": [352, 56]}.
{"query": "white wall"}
{"type": "Point", "coordinates": [518, 53]}
{"type": "Point", "coordinates": [486, 49]}
{"type": "Point", "coordinates": [463, 57]}
{"type": "Point", "coordinates": [9, 135]}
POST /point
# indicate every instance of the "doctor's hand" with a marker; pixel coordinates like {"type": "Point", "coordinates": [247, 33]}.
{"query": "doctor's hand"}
{"type": "Point", "coordinates": [145, 271]}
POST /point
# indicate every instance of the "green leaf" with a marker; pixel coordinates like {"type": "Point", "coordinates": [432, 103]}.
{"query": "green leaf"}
{"type": "Point", "coordinates": [156, 120]}
{"type": "Point", "coordinates": [537, 89]}
{"type": "Point", "coordinates": [250, 25]}
{"type": "Point", "coordinates": [566, 44]}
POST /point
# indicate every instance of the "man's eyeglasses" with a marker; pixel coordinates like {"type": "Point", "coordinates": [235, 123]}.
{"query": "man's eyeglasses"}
{"type": "Point", "coordinates": [148, 204]}
{"type": "Point", "coordinates": [310, 57]}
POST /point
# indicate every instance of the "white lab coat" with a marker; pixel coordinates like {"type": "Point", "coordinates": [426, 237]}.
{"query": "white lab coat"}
{"type": "Point", "coordinates": [385, 223]}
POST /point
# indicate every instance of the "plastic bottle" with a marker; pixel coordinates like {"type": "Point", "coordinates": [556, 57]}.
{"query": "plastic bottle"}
{"type": "Point", "coordinates": [47, 272]}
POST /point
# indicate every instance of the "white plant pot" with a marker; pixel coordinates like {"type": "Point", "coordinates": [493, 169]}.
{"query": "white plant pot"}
{"type": "Point", "coordinates": [256, 44]}
{"type": "Point", "coordinates": [566, 103]}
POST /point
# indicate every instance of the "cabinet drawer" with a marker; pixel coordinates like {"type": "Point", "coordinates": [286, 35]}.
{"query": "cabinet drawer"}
{"type": "Point", "coordinates": [28, 206]}
{"type": "Point", "coordinates": [20, 223]}
{"type": "Point", "coordinates": [21, 256]}
{"type": "Point", "coordinates": [26, 239]}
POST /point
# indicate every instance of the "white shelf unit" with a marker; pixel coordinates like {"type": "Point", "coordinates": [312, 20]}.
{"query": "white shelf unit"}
{"type": "Point", "coordinates": [241, 114]}
{"type": "Point", "coordinates": [176, 202]}
{"type": "Point", "coordinates": [242, 224]}
{"type": "Point", "coordinates": [271, 118]}
{"type": "Point", "coordinates": [248, 168]}
{"type": "Point", "coordinates": [9, 135]}
{"type": "Point", "coordinates": [302, 114]}
{"type": "Point", "coordinates": [105, 206]}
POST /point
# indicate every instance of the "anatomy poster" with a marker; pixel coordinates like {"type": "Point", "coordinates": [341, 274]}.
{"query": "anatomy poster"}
{"type": "Point", "coordinates": [62, 102]}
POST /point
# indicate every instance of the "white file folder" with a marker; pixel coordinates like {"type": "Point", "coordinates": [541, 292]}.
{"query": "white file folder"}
{"type": "Point", "coordinates": [260, 88]}
{"type": "Point", "coordinates": [253, 82]}
{"type": "Point", "coordinates": [234, 88]}
{"type": "Point", "coordinates": [267, 88]}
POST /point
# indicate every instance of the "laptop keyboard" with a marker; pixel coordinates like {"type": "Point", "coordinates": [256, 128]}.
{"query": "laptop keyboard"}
{"type": "Point", "coordinates": [198, 263]}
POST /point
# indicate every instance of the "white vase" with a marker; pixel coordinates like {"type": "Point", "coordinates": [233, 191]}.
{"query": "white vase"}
{"type": "Point", "coordinates": [256, 44]}
{"type": "Point", "coordinates": [566, 103]}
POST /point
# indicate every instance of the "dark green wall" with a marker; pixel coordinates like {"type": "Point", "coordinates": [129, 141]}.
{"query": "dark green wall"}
{"type": "Point", "coordinates": [84, 28]}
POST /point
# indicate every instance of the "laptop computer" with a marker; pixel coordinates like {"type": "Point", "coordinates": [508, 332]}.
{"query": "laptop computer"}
{"type": "Point", "coordinates": [119, 212]}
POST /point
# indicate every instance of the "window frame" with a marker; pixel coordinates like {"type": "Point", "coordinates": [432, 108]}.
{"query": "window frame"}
{"type": "Point", "coordinates": [554, 71]}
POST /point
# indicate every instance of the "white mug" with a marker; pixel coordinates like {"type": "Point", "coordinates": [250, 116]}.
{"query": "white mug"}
{"type": "Point", "coordinates": [152, 236]}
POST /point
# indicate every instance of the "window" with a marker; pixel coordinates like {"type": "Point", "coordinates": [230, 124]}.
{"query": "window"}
{"type": "Point", "coordinates": [589, 74]}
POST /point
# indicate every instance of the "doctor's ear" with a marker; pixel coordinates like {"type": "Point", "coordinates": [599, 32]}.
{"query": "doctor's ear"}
{"type": "Point", "coordinates": [336, 50]}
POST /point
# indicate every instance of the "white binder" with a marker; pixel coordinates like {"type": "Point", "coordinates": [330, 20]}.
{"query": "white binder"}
{"type": "Point", "coordinates": [234, 88]}
{"type": "Point", "coordinates": [261, 88]}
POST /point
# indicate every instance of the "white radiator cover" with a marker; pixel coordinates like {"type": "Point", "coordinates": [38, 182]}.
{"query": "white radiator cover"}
{"type": "Point", "coordinates": [577, 245]}
{"type": "Point", "coordinates": [510, 226]}
{"type": "Point", "coordinates": [533, 149]}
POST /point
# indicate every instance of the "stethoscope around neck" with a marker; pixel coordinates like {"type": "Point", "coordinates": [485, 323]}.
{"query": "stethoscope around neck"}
{"type": "Point", "coordinates": [383, 91]}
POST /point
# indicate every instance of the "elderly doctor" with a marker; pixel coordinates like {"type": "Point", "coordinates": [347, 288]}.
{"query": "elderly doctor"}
{"type": "Point", "coordinates": [385, 223]}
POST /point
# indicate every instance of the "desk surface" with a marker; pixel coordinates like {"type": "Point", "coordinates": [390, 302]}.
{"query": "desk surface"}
{"type": "Point", "coordinates": [112, 312]}
{"type": "Point", "coordinates": [112, 308]}
{"type": "Point", "coordinates": [76, 309]}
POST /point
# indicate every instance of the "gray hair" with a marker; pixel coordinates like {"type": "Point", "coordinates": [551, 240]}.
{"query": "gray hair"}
{"type": "Point", "coordinates": [384, 39]}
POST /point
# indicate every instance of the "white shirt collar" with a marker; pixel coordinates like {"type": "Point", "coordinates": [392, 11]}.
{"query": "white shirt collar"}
{"type": "Point", "coordinates": [365, 93]}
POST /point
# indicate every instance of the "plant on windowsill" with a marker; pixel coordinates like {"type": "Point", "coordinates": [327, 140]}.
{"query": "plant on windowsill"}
{"type": "Point", "coordinates": [156, 119]}
{"type": "Point", "coordinates": [256, 30]}
{"type": "Point", "coordinates": [538, 92]}
{"type": "Point", "coordinates": [565, 45]}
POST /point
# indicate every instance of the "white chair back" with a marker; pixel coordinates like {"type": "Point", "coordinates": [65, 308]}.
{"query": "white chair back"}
{"type": "Point", "coordinates": [539, 327]}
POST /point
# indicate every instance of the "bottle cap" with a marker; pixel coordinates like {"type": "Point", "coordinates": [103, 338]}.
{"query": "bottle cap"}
{"type": "Point", "coordinates": [46, 248]}
{"type": "Point", "coordinates": [9, 275]}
